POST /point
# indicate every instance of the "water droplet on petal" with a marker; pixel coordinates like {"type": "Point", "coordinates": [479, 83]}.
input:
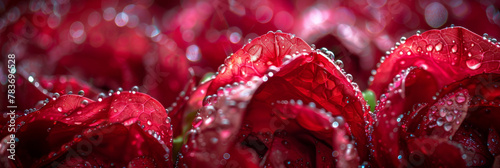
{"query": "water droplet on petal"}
{"type": "Point", "coordinates": [447, 127]}
{"type": "Point", "coordinates": [255, 52]}
{"type": "Point", "coordinates": [449, 117]}
{"type": "Point", "coordinates": [135, 89]}
{"type": "Point", "coordinates": [460, 98]}
{"type": "Point", "coordinates": [81, 92]}
{"type": "Point", "coordinates": [349, 77]}
{"type": "Point", "coordinates": [403, 40]}
{"type": "Point", "coordinates": [440, 122]}
{"type": "Point", "coordinates": [339, 63]}
{"type": "Point", "coordinates": [442, 112]}
{"type": "Point", "coordinates": [85, 102]}
{"type": "Point", "coordinates": [473, 64]}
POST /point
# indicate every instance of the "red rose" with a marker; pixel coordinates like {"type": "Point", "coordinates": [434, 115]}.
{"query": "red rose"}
{"type": "Point", "coordinates": [440, 107]}
{"type": "Point", "coordinates": [80, 41]}
{"type": "Point", "coordinates": [277, 102]}
{"type": "Point", "coordinates": [126, 129]}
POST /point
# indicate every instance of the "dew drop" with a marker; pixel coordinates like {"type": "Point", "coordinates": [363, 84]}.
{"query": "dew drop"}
{"type": "Point", "coordinates": [440, 122]}
{"type": "Point", "coordinates": [255, 52]}
{"type": "Point", "coordinates": [335, 124]}
{"type": "Point", "coordinates": [403, 40]}
{"type": "Point", "coordinates": [197, 122]}
{"type": "Point", "coordinates": [312, 105]}
{"type": "Point", "coordinates": [442, 112]}
{"type": "Point", "coordinates": [265, 78]}
{"type": "Point", "coordinates": [59, 109]}
{"type": "Point", "coordinates": [473, 64]}
{"type": "Point", "coordinates": [349, 77]}
{"type": "Point", "coordinates": [31, 79]}
{"type": "Point", "coordinates": [135, 89]}
{"type": "Point", "coordinates": [85, 102]}
{"type": "Point", "coordinates": [222, 68]}
{"type": "Point", "coordinates": [460, 98]}
{"type": "Point", "coordinates": [447, 127]}
{"type": "Point", "coordinates": [81, 92]}
{"type": "Point", "coordinates": [449, 117]}
{"type": "Point", "coordinates": [100, 97]}
{"type": "Point", "coordinates": [339, 63]}
{"type": "Point", "coordinates": [433, 109]}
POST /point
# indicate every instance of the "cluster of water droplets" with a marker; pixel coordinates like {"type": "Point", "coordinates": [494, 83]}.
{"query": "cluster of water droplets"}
{"type": "Point", "coordinates": [469, 52]}
{"type": "Point", "coordinates": [343, 153]}
{"type": "Point", "coordinates": [449, 111]}
{"type": "Point", "coordinates": [216, 123]}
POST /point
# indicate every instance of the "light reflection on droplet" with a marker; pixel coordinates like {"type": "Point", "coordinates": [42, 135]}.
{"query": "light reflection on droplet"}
{"type": "Point", "coordinates": [121, 19]}
{"type": "Point", "coordinates": [193, 53]}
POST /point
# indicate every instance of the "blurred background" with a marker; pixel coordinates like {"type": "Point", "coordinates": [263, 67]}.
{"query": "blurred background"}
{"type": "Point", "coordinates": [98, 46]}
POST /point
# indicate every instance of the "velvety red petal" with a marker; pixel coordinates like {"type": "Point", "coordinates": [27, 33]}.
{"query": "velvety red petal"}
{"type": "Point", "coordinates": [80, 131]}
{"type": "Point", "coordinates": [216, 126]}
{"type": "Point", "coordinates": [448, 55]}
{"type": "Point", "coordinates": [315, 78]}
{"type": "Point", "coordinates": [256, 57]}
{"type": "Point", "coordinates": [429, 152]}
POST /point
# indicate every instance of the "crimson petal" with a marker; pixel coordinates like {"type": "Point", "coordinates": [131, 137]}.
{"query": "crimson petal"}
{"type": "Point", "coordinates": [80, 131]}
{"type": "Point", "coordinates": [448, 55]}
{"type": "Point", "coordinates": [256, 57]}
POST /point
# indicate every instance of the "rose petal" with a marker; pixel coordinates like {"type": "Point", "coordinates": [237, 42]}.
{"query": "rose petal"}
{"type": "Point", "coordinates": [256, 57]}
{"type": "Point", "coordinates": [80, 131]}
{"type": "Point", "coordinates": [448, 55]}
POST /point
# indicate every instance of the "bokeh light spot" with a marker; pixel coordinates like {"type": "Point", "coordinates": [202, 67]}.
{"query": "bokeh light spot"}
{"type": "Point", "coordinates": [263, 14]}
{"type": "Point", "coordinates": [121, 19]}
{"type": "Point", "coordinates": [109, 14]}
{"type": "Point", "coordinates": [193, 53]}
{"type": "Point", "coordinates": [436, 14]}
